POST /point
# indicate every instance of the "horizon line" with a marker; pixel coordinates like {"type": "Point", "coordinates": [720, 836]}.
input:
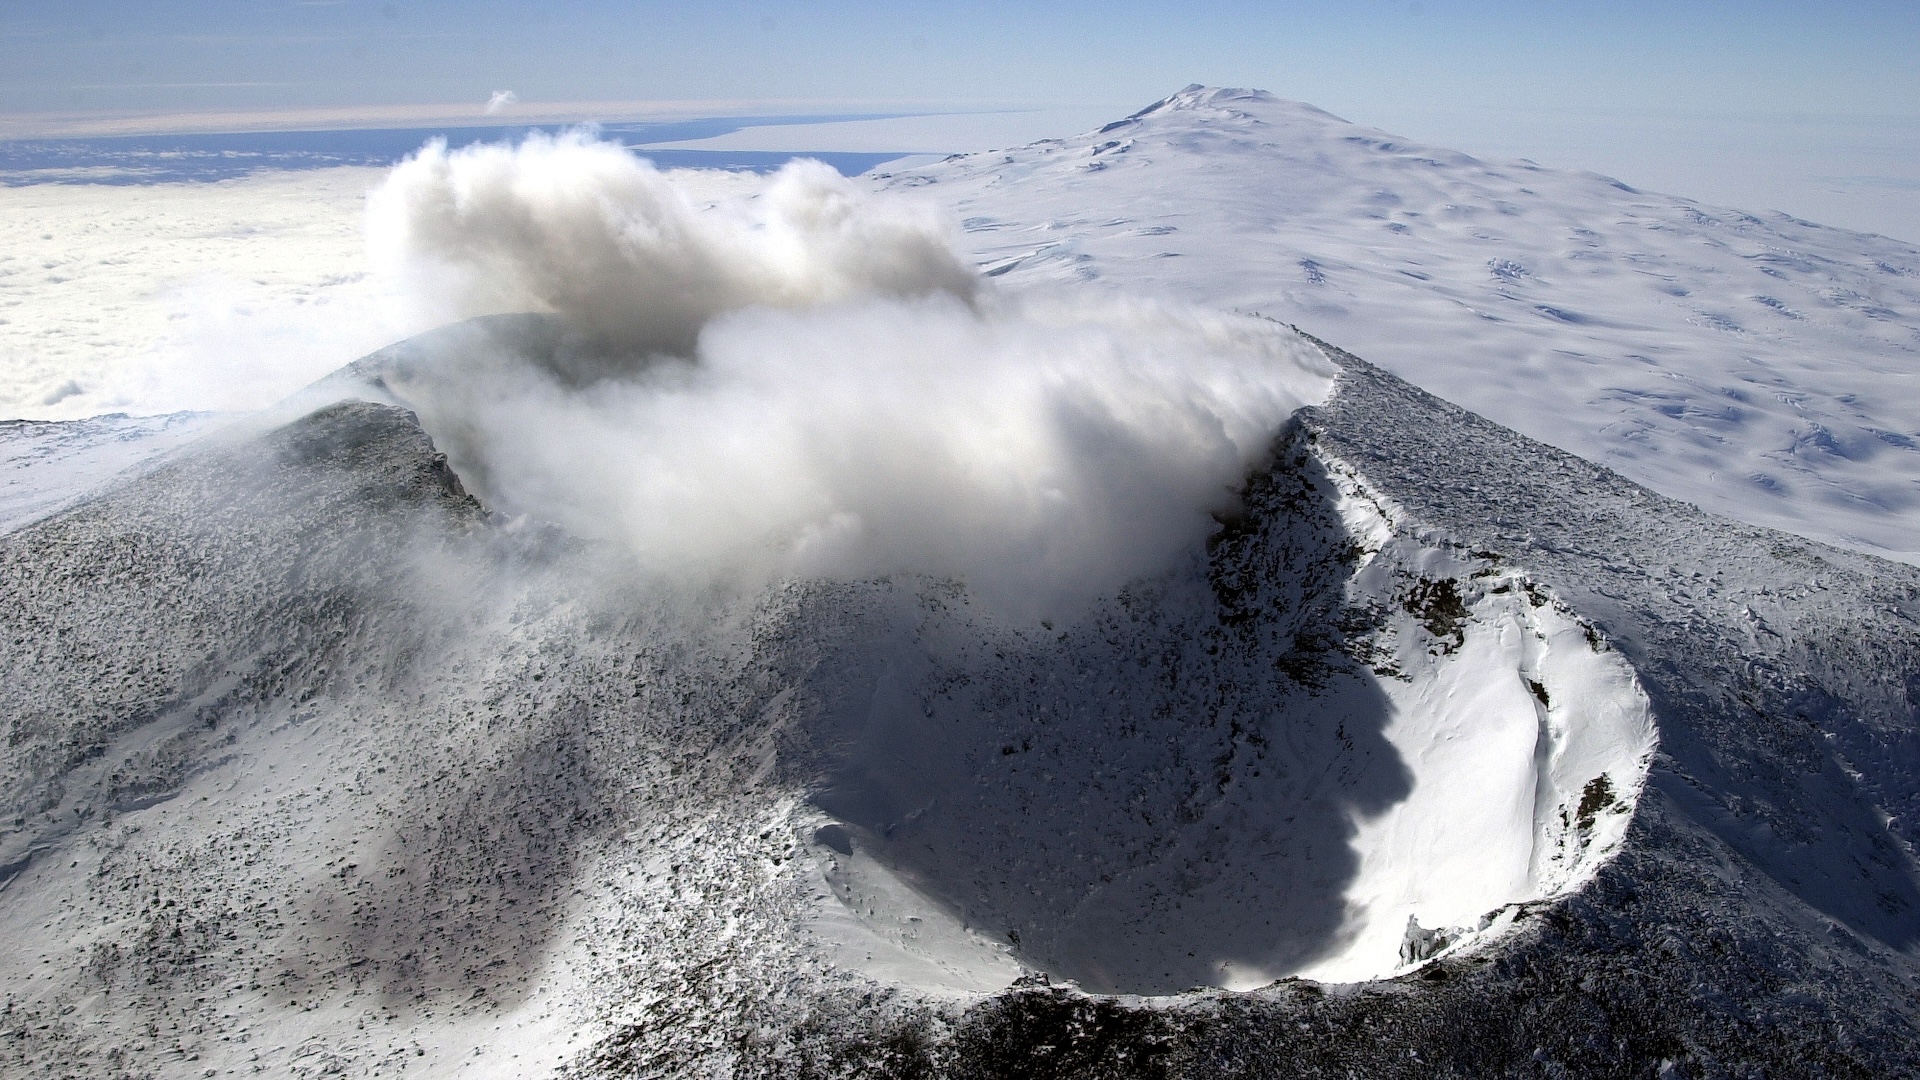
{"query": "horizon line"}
{"type": "Point", "coordinates": [103, 124]}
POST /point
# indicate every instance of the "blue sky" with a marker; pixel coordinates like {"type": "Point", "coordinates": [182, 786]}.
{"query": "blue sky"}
{"type": "Point", "coordinates": [1850, 58]}
{"type": "Point", "coordinates": [1726, 101]}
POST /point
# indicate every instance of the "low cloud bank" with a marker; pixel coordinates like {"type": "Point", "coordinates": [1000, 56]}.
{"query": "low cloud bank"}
{"type": "Point", "coordinates": [805, 378]}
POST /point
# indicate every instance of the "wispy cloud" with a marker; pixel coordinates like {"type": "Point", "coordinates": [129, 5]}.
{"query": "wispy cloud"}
{"type": "Point", "coordinates": [299, 39]}
{"type": "Point", "coordinates": [175, 85]}
{"type": "Point", "coordinates": [80, 124]}
{"type": "Point", "coordinates": [1898, 183]}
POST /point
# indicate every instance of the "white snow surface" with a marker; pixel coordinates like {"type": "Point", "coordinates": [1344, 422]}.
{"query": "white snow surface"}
{"type": "Point", "coordinates": [46, 467]}
{"type": "Point", "coordinates": [1761, 367]}
{"type": "Point", "coordinates": [1508, 738]}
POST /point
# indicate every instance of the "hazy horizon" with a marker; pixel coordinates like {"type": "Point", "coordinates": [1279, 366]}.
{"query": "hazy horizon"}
{"type": "Point", "coordinates": [1811, 110]}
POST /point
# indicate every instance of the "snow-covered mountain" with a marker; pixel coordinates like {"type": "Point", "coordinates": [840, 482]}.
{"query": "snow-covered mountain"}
{"type": "Point", "coordinates": [1762, 367]}
{"type": "Point", "coordinates": [1443, 752]}
{"type": "Point", "coordinates": [314, 769]}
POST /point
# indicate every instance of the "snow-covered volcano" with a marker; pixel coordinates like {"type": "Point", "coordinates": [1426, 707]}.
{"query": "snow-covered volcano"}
{"type": "Point", "coordinates": [1432, 750]}
{"type": "Point", "coordinates": [1760, 366]}
{"type": "Point", "coordinates": [1324, 742]}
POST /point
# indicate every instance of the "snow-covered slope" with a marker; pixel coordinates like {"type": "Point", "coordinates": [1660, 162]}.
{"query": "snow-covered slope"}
{"type": "Point", "coordinates": [316, 768]}
{"type": "Point", "coordinates": [1762, 367]}
{"type": "Point", "coordinates": [45, 467]}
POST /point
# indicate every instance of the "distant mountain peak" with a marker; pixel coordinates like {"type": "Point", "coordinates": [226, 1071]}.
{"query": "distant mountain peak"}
{"type": "Point", "coordinates": [1196, 96]}
{"type": "Point", "coordinates": [1243, 101]}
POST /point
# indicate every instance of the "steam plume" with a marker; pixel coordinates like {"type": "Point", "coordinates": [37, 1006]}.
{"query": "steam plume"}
{"type": "Point", "coordinates": [806, 379]}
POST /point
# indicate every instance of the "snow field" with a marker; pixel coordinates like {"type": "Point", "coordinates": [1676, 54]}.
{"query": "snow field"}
{"type": "Point", "coordinates": [1761, 367]}
{"type": "Point", "coordinates": [47, 466]}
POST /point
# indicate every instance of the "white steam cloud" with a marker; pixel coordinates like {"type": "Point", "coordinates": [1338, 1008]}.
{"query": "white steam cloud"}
{"type": "Point", "coordinates": [582, 228]}
{"type": "Point", "coordinates": [498, 101]}
{"type": "Point", "coordinates": [806, 379]}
